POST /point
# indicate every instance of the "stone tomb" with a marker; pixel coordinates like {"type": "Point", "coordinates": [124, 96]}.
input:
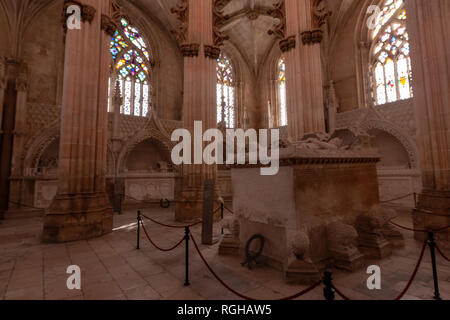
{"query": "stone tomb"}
{"type": "Point", "coordinates": [308, 212]}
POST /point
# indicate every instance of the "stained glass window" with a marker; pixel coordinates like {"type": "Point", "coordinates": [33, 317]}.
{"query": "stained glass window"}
{"type": "Point", "coordinates": [131, 69]}
{"type": "Point", "coordinates": [391, 64]}
{"type": "Point", "coordinates": [225, 91]}
{"type": "Point", "coordinates": [282, 91]}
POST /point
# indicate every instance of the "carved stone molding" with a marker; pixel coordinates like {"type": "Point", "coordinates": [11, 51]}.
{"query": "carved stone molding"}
{"type": "Point", "coordinates": [312, 37]}
{"type": "Point", "coordinates": [279, 12]}
{"type": "Point", "coordinates": [218, 19]}
{"type": "Point", "coordinates": [108, 25]}
{"type": "Point", "coordinates": [321, 13]}
{"type": "Point", "coordinates": [21, 85]}
{"type": "Point", "coordinates": [182, 13]}
{"type": "Point", "coordinates": [190, 49]}
{"type": "Point", "coordinates": [288, 44]}
{"type": "Point", "coordinates": [212, 52]}
{"type": "Point", "coordinates": [252, 15]}
{"type": "Point", "coordinates": [220, 4]}
{"type": "Point", "coordinates": [87, 13]}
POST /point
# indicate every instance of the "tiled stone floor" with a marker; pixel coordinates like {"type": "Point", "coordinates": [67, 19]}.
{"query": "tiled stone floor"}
{"type": "Point", "coordinates": [112, 268]}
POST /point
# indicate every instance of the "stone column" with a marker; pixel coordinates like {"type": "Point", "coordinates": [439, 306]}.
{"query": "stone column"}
{"type": "Point", "coordinates": [428, 27]}
{"type": "Point", "coordinates": [81, 209]}
{"type": "Point", "coordinates": [16, 181]}
{"type": "Point", "coordinates": [2, 87]}
{"type": "Point", "coordinates": [200, 48]}
{"type": "Point", "coordinates": [304, 85]}
{"type": "Point", "coordinates": [11, 71]}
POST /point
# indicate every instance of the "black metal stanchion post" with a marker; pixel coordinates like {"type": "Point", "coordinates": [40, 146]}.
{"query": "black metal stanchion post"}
{"type": "Point", "coordinates": [432, 246]}
{"type": "Point", "coordinates": [138, 229]}
{"type": "Point", "coordinates": [187, 236]}
{"type": "Point", "coordinates": [415, 200]}
{"type": "Point", "coordinates": [328, 291]}
{"type": "Point", "coordinates": [221, 212]}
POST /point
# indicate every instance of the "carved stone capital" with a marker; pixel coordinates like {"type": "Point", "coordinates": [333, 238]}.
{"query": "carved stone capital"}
{"type": "Point", "coordinates": [279, 12]}
{"type": "Point", "coordinates": [212, 52]}
{"type": "Point", "coordinates": [182, 13]}
{"type": "Point", "coordinates": [21, 85]}
{"type": "Point", "coordinates": [190, 49]}
{"type": "Point", "coordinates": [108, 25]}
{"type": "Point", "coordinates": [87, 13]}
{"type": "Point", "coordinates": [288, 44]}
{"type": "Point", "coordinates": [218, 20]}
{"type": "Point", "coordinates": [312, 37]}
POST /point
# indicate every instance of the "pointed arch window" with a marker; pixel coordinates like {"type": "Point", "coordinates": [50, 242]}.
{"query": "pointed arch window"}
{"type": "Point", "coordinates": [130, 70]}
{"type": "Point", "coordinates": [282, 92]}
{"type": "Point", "coordinates": [226, 91]}
{"type": "Point", "coordinates": [390, 59]}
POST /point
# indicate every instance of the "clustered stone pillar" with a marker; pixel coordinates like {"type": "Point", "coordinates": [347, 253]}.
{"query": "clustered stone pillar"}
{"type": "Point", "coordinates": [10, 97]}
{"type": "Point", "coordinates": [16, 182]}
{"type": "Point", "coordinates": [199, 102]}
{"type": "Point", "coordinates": [304, 86]}
{"type": "Point", "coordinates": [2, 87]}
{"type": "Point", "coordinates": [428, 27]}
{"type": "Point", "coordinates": [81, 208]}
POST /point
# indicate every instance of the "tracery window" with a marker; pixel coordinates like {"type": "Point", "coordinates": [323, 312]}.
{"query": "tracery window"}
{"type": "Point", "coordinates": [391, 62]}
{"type": "Point", "coordinates": [282, 92]}
{"type": "Point", "coordinates": [226, 91]}
{"type": "Point", "coordinates": [131, 70]}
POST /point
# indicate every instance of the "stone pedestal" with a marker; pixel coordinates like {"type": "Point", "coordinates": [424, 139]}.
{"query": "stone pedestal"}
{"type": "Point", "coordinates": [230, 244]}
{"type": "Point", "coordinates": [374, 246]}
{"type": "Point", "coordinates": [302, 272]}
{"type": "Point", "coordinates": [90, 216]}
{"type": "Point", "coordinates": [342, 247]}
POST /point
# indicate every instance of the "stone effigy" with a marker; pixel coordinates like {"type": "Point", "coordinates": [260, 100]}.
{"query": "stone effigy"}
{"type": "Point", "coordinates": [313, 213]}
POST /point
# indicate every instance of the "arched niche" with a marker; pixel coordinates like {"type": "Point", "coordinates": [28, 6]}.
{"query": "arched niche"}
{"type": "Point", "coordinates": [393, 153]}
{"type": "Point", "coordinates": [148, 156]}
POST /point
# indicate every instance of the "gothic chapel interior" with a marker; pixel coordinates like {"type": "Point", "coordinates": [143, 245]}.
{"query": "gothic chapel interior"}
{"type": "Point", "coordinates": [92, 92]}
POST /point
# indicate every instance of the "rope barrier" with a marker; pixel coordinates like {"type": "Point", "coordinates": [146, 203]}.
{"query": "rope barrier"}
{"type": "Point", "coordinates": [411, 279]}
{"type": "Point", "coordinates": [399, 198]}
{"type": "Point", "coordinates": [171, 226]}
{"type": "Point", "coordinates": [343, 296]}
{"type": "Point", "coordinates": [413, 276]}
{"type": "Point", "coordinates": [442, 253]}
{"type": "Point", "coordinates": [315, 285]}
{"type": "Point", "coordinates": [230, 211]}
{"type": "Point", "coordinates": [418, 230]}
{"type": "Point", "coordinates": [158, 247]}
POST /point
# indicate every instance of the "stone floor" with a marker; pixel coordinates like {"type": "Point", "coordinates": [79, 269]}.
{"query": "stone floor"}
{"type": "Point", "coordinates": [112, 268]}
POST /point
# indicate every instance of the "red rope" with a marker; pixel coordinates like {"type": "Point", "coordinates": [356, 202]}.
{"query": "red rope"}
{"type": "Point", "coordinates": [239, 294]}
{"type": "Point", "coordinates": [343, 296]}
{"type": "Point", "coordinates": [442, 254]}
{"type": "Point", "coordinates": [226, 208]}
{"type": "Point", "coordinates": [158, 247]}
{"type": "Point", "coordinates": [399, 198]}
{"type": "Point", "coordinates": [411, 279]}
{"type": "Point", "coordinates": [301, 293]}
{"type": "Point", "coordinates": [417, 230]}
{"type": "Point", "coordinates": [170, 226]}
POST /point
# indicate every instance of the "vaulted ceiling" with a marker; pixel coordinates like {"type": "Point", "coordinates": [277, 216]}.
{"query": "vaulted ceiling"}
{"type": "Point", "coordinates": [247, 23]}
